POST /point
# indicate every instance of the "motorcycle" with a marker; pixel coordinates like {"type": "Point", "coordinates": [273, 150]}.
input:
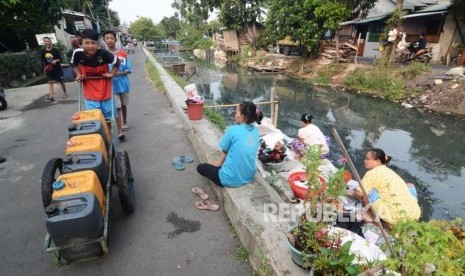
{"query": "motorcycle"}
{"type": "Point", "coordinates": [3, 103]}
{"type": "Point", "coordinates": [408, 55]}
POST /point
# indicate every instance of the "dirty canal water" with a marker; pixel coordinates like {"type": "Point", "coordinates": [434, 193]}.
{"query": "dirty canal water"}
{"type": "Point", "coordinates": [426, 149]}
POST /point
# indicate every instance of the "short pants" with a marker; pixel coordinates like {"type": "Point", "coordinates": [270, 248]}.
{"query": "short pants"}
{"type": "Point", "coordinates": [105, 106]}
{"type": "Point", "coordinates": [121, 99]}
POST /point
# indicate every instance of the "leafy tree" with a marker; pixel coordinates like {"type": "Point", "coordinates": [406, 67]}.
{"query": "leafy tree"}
{"type": "Point", "coordinates": [232, 13]}
{"type": "Point", "coordinates": [21, 20]}
{"type": "Point", "coordinates": [170, 26]}
{"type": "Point", "coordinates": [307, 20]}
{"type": "Point", "coordinates": [144, 29]}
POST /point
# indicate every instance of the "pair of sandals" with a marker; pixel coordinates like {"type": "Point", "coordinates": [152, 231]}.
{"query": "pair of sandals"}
{"type": "Point", "coordinates": [51, 99]}
{"type": "Point", "coordinates": [178, 162]}
{"type": "Point", "coordinates": [204, 203]}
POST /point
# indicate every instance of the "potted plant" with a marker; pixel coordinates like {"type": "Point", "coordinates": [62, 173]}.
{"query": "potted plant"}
{"type": "Point", "coordinates": [310, 183]}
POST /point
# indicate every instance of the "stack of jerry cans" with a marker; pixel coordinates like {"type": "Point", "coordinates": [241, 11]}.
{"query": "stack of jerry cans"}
{"type": "Point", "coordinates": [77, 211]}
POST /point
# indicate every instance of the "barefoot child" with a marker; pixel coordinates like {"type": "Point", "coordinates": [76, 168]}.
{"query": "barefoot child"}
{"type": "Point", "coordinates": [90, 61]}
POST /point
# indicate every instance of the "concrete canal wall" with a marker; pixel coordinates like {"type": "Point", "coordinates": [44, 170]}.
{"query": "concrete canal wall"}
{"type": "Point", "coordinates": [264, 239]}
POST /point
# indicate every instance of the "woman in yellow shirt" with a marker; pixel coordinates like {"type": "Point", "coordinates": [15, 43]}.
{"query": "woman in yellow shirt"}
{"type": "Point", "coordinates": [392, 199]}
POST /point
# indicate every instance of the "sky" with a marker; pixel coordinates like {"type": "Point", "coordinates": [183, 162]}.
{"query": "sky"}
{"type": "Point", "coordinates": [129, 10]}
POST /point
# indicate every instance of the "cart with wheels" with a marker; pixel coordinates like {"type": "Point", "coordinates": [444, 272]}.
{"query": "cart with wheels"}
{"type": "Point", "coordinates": [114, 167]}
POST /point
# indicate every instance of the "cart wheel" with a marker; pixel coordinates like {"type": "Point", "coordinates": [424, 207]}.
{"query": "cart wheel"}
{"type": "Point", "coordinates": [48, 178]}
{"type": "Point", "coordinates": [124, 181]}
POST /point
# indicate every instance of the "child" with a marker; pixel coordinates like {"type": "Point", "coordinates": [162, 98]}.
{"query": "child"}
{"type": "Point", "coordinates": [121, 85]}
{"type": "Point", "coordinates": [51, 59]}
{"type": "Point", "coordinates": [90, 61]}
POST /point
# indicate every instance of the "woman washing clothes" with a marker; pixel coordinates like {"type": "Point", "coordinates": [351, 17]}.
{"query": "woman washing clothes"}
{"type": "Point", "coordinates": [392, 199]}
{"type": "Point", "coordinates": [239, 145]}
{"type": "Point", "coordinates": [309, 134]}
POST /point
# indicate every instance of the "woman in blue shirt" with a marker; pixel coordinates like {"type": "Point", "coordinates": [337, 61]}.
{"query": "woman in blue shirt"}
{"type": "Point", "coordinates": [239, 146]}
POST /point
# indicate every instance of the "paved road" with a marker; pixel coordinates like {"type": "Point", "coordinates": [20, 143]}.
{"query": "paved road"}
{"type": "Point", "coordinates": [165, 236]}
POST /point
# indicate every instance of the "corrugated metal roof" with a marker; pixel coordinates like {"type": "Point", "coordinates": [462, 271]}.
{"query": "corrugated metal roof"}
{"type": "Point", "coordinates": [440, 6]}
{"type": "Point", "coordinates": [429, 2]}
{"type": "Point", "coordinates": [423, 14]}
{"type": "Point", "coordinates": [365, 20]}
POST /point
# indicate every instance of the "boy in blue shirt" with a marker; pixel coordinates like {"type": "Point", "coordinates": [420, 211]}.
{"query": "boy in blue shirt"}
{"type": "Point", "coordinates": [121, 84]}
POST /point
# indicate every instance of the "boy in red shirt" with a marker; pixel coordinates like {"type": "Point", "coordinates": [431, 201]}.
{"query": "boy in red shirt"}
{"type": "Point", "coordinates": [90, 61]}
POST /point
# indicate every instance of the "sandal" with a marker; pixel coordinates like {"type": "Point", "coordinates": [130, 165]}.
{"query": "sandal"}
{"type": "Point", "coordinates": [48, 99]}
{"type": "Point", "coordinates": [125, 127]}
{"type": "Point", "coordinates": [200, 193]}
{"type": "Point", "coordinates": [186, 159]}
{"type": "Point", "coordinates": [121, 136]}
{"type": "Point", "coordinates": [206, 205]}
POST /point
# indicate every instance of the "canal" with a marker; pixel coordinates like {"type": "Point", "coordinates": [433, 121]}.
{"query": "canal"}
{"type": "Point", "coordinates": [427, 149]}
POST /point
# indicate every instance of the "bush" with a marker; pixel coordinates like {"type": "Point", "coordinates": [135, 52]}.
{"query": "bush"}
{"type": "Point", "coordinates": [379, 81]}
{"type": "Point", "coordinates": [415, 69]}
{"type": "Point", "coordinates": [13, 65]}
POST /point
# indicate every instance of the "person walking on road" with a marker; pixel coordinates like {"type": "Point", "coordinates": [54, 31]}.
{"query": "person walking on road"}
{"type": "Point", "coordinates": [121, 84]}
{"type": "Point", "coordinates": [51, 60]}
{"type": "Point", "coordinates": [90, 61]}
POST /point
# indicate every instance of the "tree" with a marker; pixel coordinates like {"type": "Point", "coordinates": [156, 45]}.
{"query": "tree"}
{"type": "Point", "coordinates": [21, 20]}
{"type": "Point", "coordinates": [170, 26]}
{"type": "Point", "coordinates": [307, 20]}
{"type": "Point", "coordinates": [393, 22]}
{"type": "Point", "coordinates": [144, 29]}
{"type": "Point", "coordinates": [232, 13]}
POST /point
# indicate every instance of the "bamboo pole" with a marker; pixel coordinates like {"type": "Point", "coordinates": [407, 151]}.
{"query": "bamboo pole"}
{"type": "Point", "coordinates": [359, 180]}
{"type": "Point", "coordinates": [276, 109]}
{"type": "Point", "coordinates": [234, 105]}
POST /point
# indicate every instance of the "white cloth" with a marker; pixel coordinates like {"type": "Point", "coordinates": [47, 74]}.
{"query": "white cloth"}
{"type": "Point", "coordinates": [392, 35]}
{"type": "Point", "coordinates": [272, 138]}
{"type": "Point", "coordinates": [312, 135]}
{"type": "Point", "coordinates": [402, 45]}
{"type": "Point", "coordinates": [364, 251]}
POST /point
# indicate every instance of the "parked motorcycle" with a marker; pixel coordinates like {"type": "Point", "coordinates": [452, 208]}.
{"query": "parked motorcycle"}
{"type": "Point", "coordinates": [3, 103]}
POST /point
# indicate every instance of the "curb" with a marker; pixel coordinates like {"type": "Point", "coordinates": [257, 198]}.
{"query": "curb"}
{"type": "Point", "coordinates": [262, 236]}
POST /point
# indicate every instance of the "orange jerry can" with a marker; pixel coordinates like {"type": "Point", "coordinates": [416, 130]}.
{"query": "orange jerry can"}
{"type": "Point", "coordinates": [91, 115]}
{"type": "Point", "coordinates": [79, 183]}
{"type": "Point", "coordinates": [89, 142]}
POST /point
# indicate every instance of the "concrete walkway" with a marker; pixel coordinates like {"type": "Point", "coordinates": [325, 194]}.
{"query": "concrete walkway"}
{"type": "Point", "coordinates": [264, 238]}
{"type": "Point", "coordinates": [165, 235]}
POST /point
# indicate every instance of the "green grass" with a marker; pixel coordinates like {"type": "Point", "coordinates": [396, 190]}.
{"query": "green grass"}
{"type": "Point", "coordinates": [414, 69]}
{"type": "Point", "coordinates": [264, 269]}
{"type": "Point", "coordinates": [378, 81]}
{"type": "Point", "coordinates": [216, 118]}
{"type": "Point", "coordinates": [154, 76]}
{"type": "Point", "coordinates": [242, 254]}
{"type": "Point", "coordinates": [324, 75]}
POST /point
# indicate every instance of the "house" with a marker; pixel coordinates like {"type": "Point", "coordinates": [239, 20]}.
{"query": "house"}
{"type": "Point", "coordinates": [431, 17]}
{"type": "Point", "coordinates": [72, 22]}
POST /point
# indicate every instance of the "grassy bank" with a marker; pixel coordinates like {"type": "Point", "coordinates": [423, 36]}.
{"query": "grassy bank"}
{"type": "Point", "coordinates": [154, 76]}
{"type": "Point", "coordinates": [389, 83]}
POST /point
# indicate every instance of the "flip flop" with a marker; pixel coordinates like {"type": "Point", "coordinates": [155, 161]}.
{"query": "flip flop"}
{"type": "Point", "coordinates": [121, 136]}
{"type": "Point", "coordinates": [200, 193]}
{"type": "Point", "coordinates": [206, 205]}
{"type": "Point", "coordinates": [178, 164]}
{"type": "Point", "coordinates": [64, 96]}
{"type": "Point", "coordinates": [125, 127]}
{"type": "Point", "coordinates": [186, 158]}
{"type": "Point", "coordinates": [48, 99]}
